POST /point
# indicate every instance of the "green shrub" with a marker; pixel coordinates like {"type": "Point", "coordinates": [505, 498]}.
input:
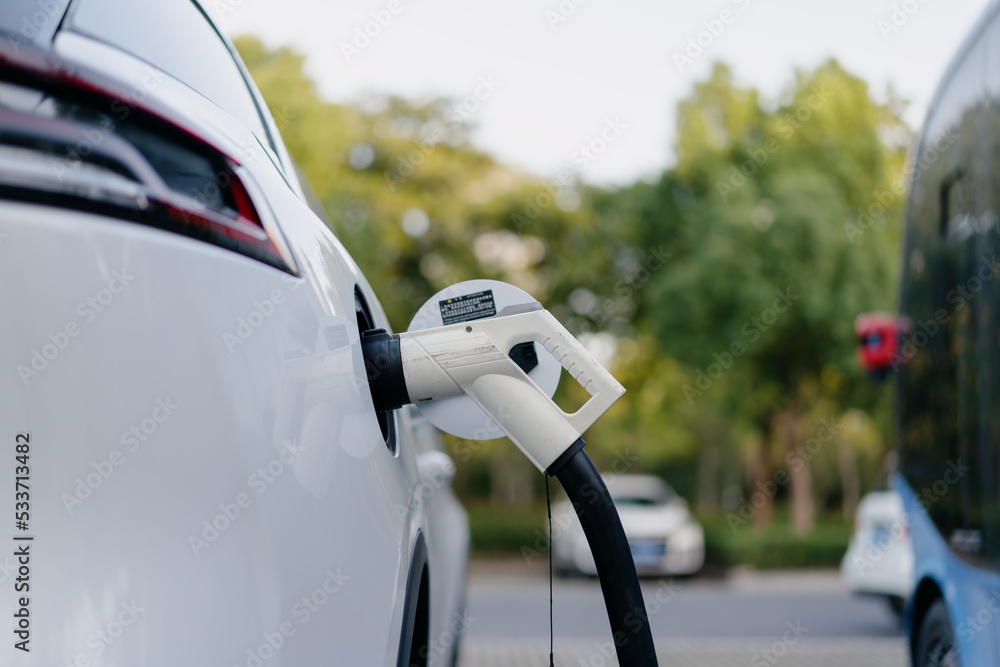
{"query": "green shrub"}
{"type": "Point", "coordinates": [505, 530]}
{"type": "Point", "coordinates": [774, 546]}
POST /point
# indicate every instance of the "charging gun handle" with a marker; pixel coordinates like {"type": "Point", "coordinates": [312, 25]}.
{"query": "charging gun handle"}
{"type": "Point", "coordinates": [472, 358]}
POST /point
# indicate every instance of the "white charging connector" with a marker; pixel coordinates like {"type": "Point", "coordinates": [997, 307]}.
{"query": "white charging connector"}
{"type": "Point", "coordinates": [472, 358]}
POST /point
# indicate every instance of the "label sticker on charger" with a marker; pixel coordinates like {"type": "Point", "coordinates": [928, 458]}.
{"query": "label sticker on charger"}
{"type": "Point", "coordinates": [466, 308]}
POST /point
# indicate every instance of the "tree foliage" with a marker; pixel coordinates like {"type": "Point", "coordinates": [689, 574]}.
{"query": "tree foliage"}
{"type": "Point", "coordinates": [726, 290]}
{"type": "Point", "coordinates": [767, 279]}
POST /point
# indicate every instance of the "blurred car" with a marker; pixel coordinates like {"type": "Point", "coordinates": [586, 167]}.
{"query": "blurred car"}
{"type": "Point", "coordinates": [663, 535]}
{"type": "Point", "coordinates": [879, 557]}
{"type": "Point", "coordinates": [200, 454]}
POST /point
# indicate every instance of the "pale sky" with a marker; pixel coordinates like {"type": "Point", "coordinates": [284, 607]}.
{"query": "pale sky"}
{"type": "Point", "coordinates": [557, 84]}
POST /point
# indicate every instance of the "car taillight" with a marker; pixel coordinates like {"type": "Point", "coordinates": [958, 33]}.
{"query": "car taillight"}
{"type": "Point", "coordinates": [138, 166]}
{"type": "Point", "coordinates": [239, 227]}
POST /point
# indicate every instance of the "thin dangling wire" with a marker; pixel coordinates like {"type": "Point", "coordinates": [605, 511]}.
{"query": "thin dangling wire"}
{"type": "Point", "coordinates": [548, 508]}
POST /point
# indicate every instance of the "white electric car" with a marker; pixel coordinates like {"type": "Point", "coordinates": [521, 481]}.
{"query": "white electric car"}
{"type": "Point", "coordinates": [879, 557]}
{"type": "Point", "coordinates": [200, 475]}
{"type": "Point", "coordinates": [663, 535]}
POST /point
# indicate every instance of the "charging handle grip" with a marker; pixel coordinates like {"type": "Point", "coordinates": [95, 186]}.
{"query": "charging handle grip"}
{"type": "Point", "coordinates": [543, 327]}
{"type": "Point", "coordinates": [472, 358]}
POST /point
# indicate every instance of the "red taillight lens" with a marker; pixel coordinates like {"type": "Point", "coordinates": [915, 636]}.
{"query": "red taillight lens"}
{"type": "Point", "coordinates": [240, 226]}
{"type": "Point", "coordinates": [145, 167]}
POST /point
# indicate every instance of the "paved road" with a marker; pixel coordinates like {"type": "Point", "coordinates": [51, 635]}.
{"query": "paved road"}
{"type": "Point", "coordinates": [793, 619]}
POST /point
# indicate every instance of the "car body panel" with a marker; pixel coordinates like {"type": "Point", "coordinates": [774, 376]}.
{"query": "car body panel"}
{"type": "Point", "coordinates": [946, 391]}
{"type": "Point", "coordinates": [245, 505]}
{"type": "Point", "coordinates": [448, 540]}
{"type": "Point", "coordinates": [282, 394]}
{"type": "Point", "coordinates": [971, 595]}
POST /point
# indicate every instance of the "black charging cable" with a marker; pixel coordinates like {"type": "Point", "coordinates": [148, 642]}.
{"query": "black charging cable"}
{"type": "Point", "coordinates": [612, 556]}
{"type": "Point", "coordinates": [548, 508]}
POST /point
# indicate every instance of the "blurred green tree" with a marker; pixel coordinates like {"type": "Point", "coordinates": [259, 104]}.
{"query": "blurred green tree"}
{"type": "Point", "coordinates": [766, 281]}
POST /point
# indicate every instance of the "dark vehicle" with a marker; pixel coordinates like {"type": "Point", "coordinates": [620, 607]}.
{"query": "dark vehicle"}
{"type": "Point", "coordinates": [948, 364]}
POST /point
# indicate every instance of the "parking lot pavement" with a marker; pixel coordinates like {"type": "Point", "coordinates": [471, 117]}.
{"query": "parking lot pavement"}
{"type": "Point", "coordinates": [794, 619]}
{"type": "Point", "coordinates": [695, 653]}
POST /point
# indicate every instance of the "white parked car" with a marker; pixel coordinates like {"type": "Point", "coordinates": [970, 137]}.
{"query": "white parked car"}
{"type": "Point", "coordinates": [185, 406]}
{"type": "Point", "coordinates": [879, 557]}
{"type": "Point", "coordinates": [664, 537]}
